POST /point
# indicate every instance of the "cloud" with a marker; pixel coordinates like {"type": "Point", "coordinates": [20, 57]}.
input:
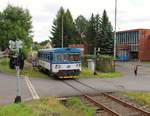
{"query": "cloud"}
{"type": "Point", "coordinates": [130, 13]}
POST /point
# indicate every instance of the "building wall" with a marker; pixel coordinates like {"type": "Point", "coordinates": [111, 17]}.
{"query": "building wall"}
{"type": "Point", "coordinates": [130, 38]}
{"type": "Point", "coordinates": [144, 45]}
{"type": "Point", "coordinates": [127, 42]}
{"type": "Point", "coordinates": [83, 47]}
{"type": "Point", "coordinates": [137, 40]}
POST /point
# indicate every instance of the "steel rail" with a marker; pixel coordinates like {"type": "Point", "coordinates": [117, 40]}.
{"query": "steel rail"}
{"type": "Point", "coordinates": [98, 104]}
{"type": "Point", "coordinates": [94, 101]}
{"type": "Point", "coordinates": [117, 100]}
{"type": "Point", "coordinates": [127, 104]}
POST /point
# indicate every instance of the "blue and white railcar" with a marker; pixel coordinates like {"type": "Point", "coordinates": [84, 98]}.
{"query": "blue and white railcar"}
{"type": "Point", "coordinates": [62, 62]}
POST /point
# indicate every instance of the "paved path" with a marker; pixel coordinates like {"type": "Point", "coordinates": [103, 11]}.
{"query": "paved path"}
{"type": "Point", "coordinates": [127, 68]}
{"type": "Point", "coordinates": [33, 88]}
{"type": "Point", "coordinates": [8, 89]}
{"type": "Point", "coordinates": [46, 87]}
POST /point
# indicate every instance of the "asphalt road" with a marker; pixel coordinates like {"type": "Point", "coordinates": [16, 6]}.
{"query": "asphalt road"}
{"type": "Point", "coordinates": [8, 89]}
{"type": "Point", "coordinates": [35, 88]}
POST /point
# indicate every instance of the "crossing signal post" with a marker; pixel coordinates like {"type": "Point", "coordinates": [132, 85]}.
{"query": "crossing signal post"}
{"type": "Point", "coordinates": [17, 45]}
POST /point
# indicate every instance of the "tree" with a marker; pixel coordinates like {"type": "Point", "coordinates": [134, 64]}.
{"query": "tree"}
{"type": "Point", "coordinates": [36, 46]}
{"type": "Point", "coordinates": [100, 34]}
{"type": "Point", "coordinates": [16, 25]}
{"type": "Point", "coordinates": [98, 31]}
{"type": "Point", "coordinates": [106, 35]}
{"type": "Point", "coordinates": [43, 43]}
{"type": "Point", "coordinates": [81, 26]}
{"type": "Point", "coordinates": [57, 28]}
{"type": "Point", "coordinates": [91, 34]}
{"type": "Point", "coordinates": [68, 28]}
{"type": "Point", "coordinates": [2, 31]}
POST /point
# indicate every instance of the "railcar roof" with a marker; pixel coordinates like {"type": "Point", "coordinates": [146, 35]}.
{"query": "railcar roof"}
{"type": "Point", "coordinates": [61, 50]}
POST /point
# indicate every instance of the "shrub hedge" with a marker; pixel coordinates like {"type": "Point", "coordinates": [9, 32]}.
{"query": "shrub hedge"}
{"type": "Point", "coordinates": [104, 63]}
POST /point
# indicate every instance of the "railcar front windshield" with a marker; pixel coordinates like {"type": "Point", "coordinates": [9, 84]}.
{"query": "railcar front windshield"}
{"type": "Point", "coordinates": [71, 57]}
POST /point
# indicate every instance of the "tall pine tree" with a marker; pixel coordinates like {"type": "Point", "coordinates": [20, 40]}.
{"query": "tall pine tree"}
{"type": "Point", "coordinates": [57, 28]}
{"type": "Point", "coordinates": [15, 24]}
{"type": "Point", "coordinates": [98, 31]}
{"type": "Point", "coordinates": [91, 34]}
{"type": "Point", "coordinates": [106, 35]}
{"type": "Point", "coordinates": [68, 28]}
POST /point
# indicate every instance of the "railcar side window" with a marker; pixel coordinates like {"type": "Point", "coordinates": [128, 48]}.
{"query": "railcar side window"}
{"type": "Point", "coordinates": [51, 56]}
{"type": "Point", "coordinates": [65, 57]}
{"type": "Point", "coordinates": [38, 55]}
{"type": "Point", "coordinates": [46, 56]}
{"type": "Point", "coordinates": [59, 57]}
{"type": "Point", "coordinates": [76, 57]}
{"type": "Point", "coordinates": [68, 57]}
{"type": "Point", "coordinates": [41, 56]}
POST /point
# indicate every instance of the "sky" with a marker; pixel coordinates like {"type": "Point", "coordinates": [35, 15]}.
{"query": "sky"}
{"type": "Point", "coordinates": [131, 14]}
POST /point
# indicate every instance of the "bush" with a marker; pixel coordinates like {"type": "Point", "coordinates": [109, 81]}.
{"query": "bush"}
{"type": "Point", "coordinates": [85, 59]}
{"type": "Point", "coordinates": [104, 63]}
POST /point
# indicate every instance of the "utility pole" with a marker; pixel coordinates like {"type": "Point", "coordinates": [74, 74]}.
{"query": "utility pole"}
{"type": "Point", "coordinates": [62, 32]}
{"type": "Point", "coordinates": [115, 30]}
{"type": "Point", "coordinates": [94, 72]}
{"type": "Point", "coordinates": [115, 37]}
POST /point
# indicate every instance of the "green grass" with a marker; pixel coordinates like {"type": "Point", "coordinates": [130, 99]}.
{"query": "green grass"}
{"type": "Point", "coordinates": [142, 98]}
{"type": "Point", "coordinates": [4, 66]}
{"type": "Point", "coordinates": [47, 107]}
{"type": "Point", "coordinates": [76, 103]}
{"type": "Point", "coordinates": [15, 110]}
{"type": "Point", "coordinates": [28, 70]}
{"type": "Point", "coordinates": [87, 73]}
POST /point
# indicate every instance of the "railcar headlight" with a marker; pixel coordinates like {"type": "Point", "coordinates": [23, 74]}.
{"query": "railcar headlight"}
{"type": "Point", "coordinates": [57, 66]}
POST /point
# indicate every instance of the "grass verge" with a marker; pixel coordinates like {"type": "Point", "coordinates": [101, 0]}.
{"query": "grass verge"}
{"type": "Point", "coordinates": [142, 98]}
{"type": "Point", "coordinates": [87, 73]}
{"type": "Point", "coordinates": [28, 70]}
{"type": "Point", "coordinates": [47, 107]}
{"type": "Point", "coordinates": [76, 103]}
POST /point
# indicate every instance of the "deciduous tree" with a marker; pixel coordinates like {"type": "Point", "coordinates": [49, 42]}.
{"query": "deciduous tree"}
{"type": "Point", "coordinates": [16, 24]}
{"type": "Point", "coordinates": [81, 28]}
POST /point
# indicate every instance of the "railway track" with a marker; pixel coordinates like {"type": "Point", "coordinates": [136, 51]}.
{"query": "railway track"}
{"type": "Point", "coordinates": [108, 104]}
